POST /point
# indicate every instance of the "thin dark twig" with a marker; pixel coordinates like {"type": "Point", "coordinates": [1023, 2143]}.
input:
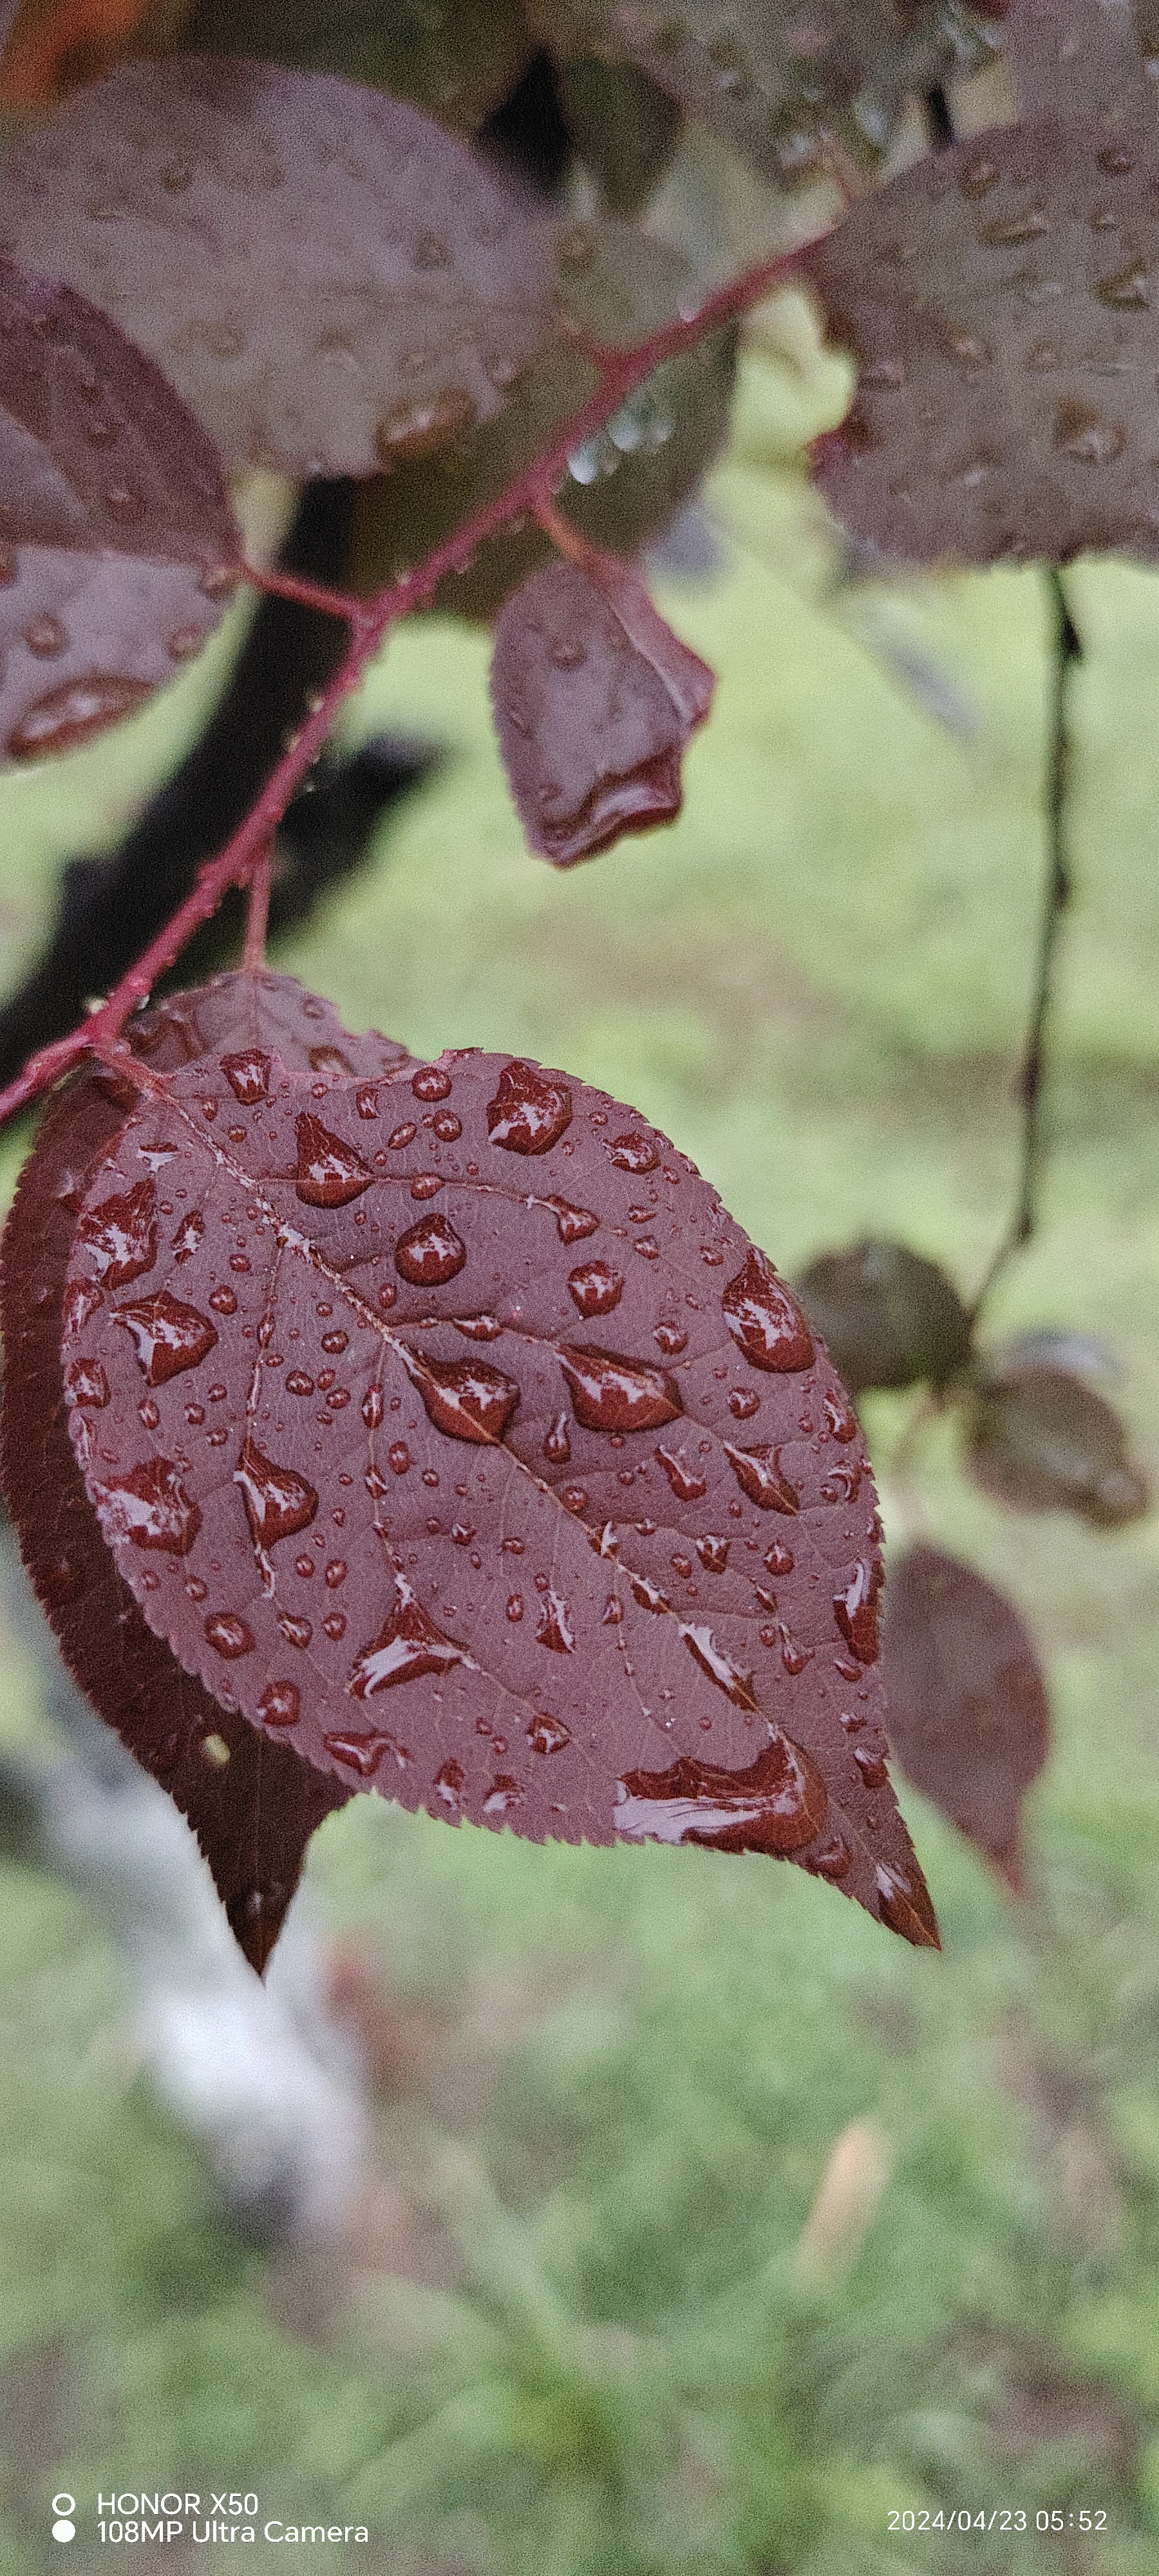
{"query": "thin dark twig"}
{"type": "Point", "coordinates": [1058, 886]}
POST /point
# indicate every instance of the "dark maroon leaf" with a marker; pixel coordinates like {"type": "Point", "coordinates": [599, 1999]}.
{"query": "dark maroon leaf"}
{"type": "Point", "coordinates": [118, 546]}
{"type": "Point", "coordinates": [595, 700]}
{"type": "Point", "coordinates": [967, 1711]}
{"type": "Point", "coordinates": [557, 1586]}
{"type": "Point", "coordinates": [1042, 1440]}
{"type": "Point", "coordinates": [999, 299]}
{"type": "Point", "coordinates": [887, 1316]}
{"type": "Point", "coordinates": [252, 1806]}
{"type": "Point", "coordinates": [331, 280]}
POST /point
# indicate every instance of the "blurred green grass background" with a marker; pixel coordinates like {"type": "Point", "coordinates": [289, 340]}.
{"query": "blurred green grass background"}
{"type": "Point", "coordinates": [575, 2334]}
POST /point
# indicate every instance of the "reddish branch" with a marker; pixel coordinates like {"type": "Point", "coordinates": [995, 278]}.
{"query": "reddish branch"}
{"type": "Point", "coordinates": [530, 493]}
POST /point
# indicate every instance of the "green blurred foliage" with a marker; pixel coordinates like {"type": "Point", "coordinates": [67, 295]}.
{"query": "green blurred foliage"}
{"type": "Point", "coordinates": [625, 128]}
{"type": "Point", "coordinates": [451, 57]}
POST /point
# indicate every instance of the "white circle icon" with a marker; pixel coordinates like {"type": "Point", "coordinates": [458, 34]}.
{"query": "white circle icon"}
{"type": "Point", "coordinates": [64, 2530]}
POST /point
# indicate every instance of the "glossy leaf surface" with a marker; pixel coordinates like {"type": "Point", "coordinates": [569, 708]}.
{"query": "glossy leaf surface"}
{"type": "Point", "coordinates": [118, 547]}
{"type": "Point", "coordinates": [967, 1716]}
{"type": "Point", "coordinates": [330, 279]}
{"type": "Point", "coordinates": [595, 701]}
{"type": "Point", "coordinates": [889, 1317]}
{"type": "Point", "coordinates": [999, 299]}
{"type": "Point", "coordinates": [1042, 1440]}
{"type": "Point", "coordinates": [252, 1805]}
{"type": "Point", "coordinates": [512, 1484]}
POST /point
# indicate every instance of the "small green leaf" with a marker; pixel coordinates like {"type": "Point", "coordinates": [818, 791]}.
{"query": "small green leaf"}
{"type": "Point", "coordinates": [625, 127]}
{"type": "Point", "coordinates": [889, 1316]}
{"type": "Point", "coordinates": [456, 60]}
{"type": "Point", "coordinates": [1043, 1441]}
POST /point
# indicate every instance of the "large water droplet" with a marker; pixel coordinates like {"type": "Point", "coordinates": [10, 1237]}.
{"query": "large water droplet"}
{"type": "Point", "coordinates": [776, 1805]}
{"type": "Point", "coordinates": [150, 1507]}
{"type": "Point", "coordinates": [229, 1635]}
{"type": "Point", "coordinates": [503, 1794]}
{"type": "Point", "coordinates": [407, 1648]}
{"type": "Point", "coordinates": [634, 1152]}
{"type": "Point", "coordinates": [759, 1474]}
{"type": "Point", "coordinates": [330, 1173]}
{"type": "Point", "coordinates": [361, 1753]}
{"type": "Point", "coordinates": [765, 1321]}
{"type": "Point", "coordinates": [430, 1253]}
{"type": "Point", "coordinates": [529, 1112]}
{"type": "Point", "coordinates": [188, 1236]}
{"type": "Point", "coordinates": [687, 1483]}
{"type": "Point", "coordinates": [855, 1610]}
{"type": "Point", "coordinates": [572, 1223]}
{"type": "Point", "coordinates": [610, 1393]}
{"type": "Point", "coordinates": [1129, 290]}
{"type": "Point", "coordinates": [415, 427]}
{"type": "Point", "coordinates": [168, 1337]}
{"type": "Point", "coordinates": [555, 1627]}
{"type": "Point", "coordinates": [719, 1666]}
{"type": "Point", "coordinates": [278, 1502]}
{"type": "Point", "coordinates": [248, 1075]}
{"type": "Point", "coordinates": [670, 1338]}
{"type": "Point", "coordinates": [649, 1595]}
{"type": "Point", "coordinates": [547, 1734]}
{"type": "Point", "coordinates": [79, 1304]}
{"type": "Point", "coordinates": [905, 1905]}
{"type": "Point", "coordinates": [69, 715]}
{"type": "Point", "coordinates": [280, 1704]}
{"type": "Point", "coordinates": [121, 1235]}
{"type": "Point", "coordinates": [595, 1288]}
{"type": "Point", "coordinates": [465, 1398]}
{"type": "Point", "coordinates": [450, 1782]}
{"type": "Point", "coordinates": [713, 1552]}
{"type": "Point", "coordinates": [297, 1632]}
{"type": "Point", "coordinates": [431, 1082]}
{"type": "Point", "coordinates": [1008, 230]}
{"type": "Point", "coordinates": [86, 1383]}
{"type": "Point", "coordinates": [557, 1441]}
{"type": "Point", "coordinates": [832, 1859]}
